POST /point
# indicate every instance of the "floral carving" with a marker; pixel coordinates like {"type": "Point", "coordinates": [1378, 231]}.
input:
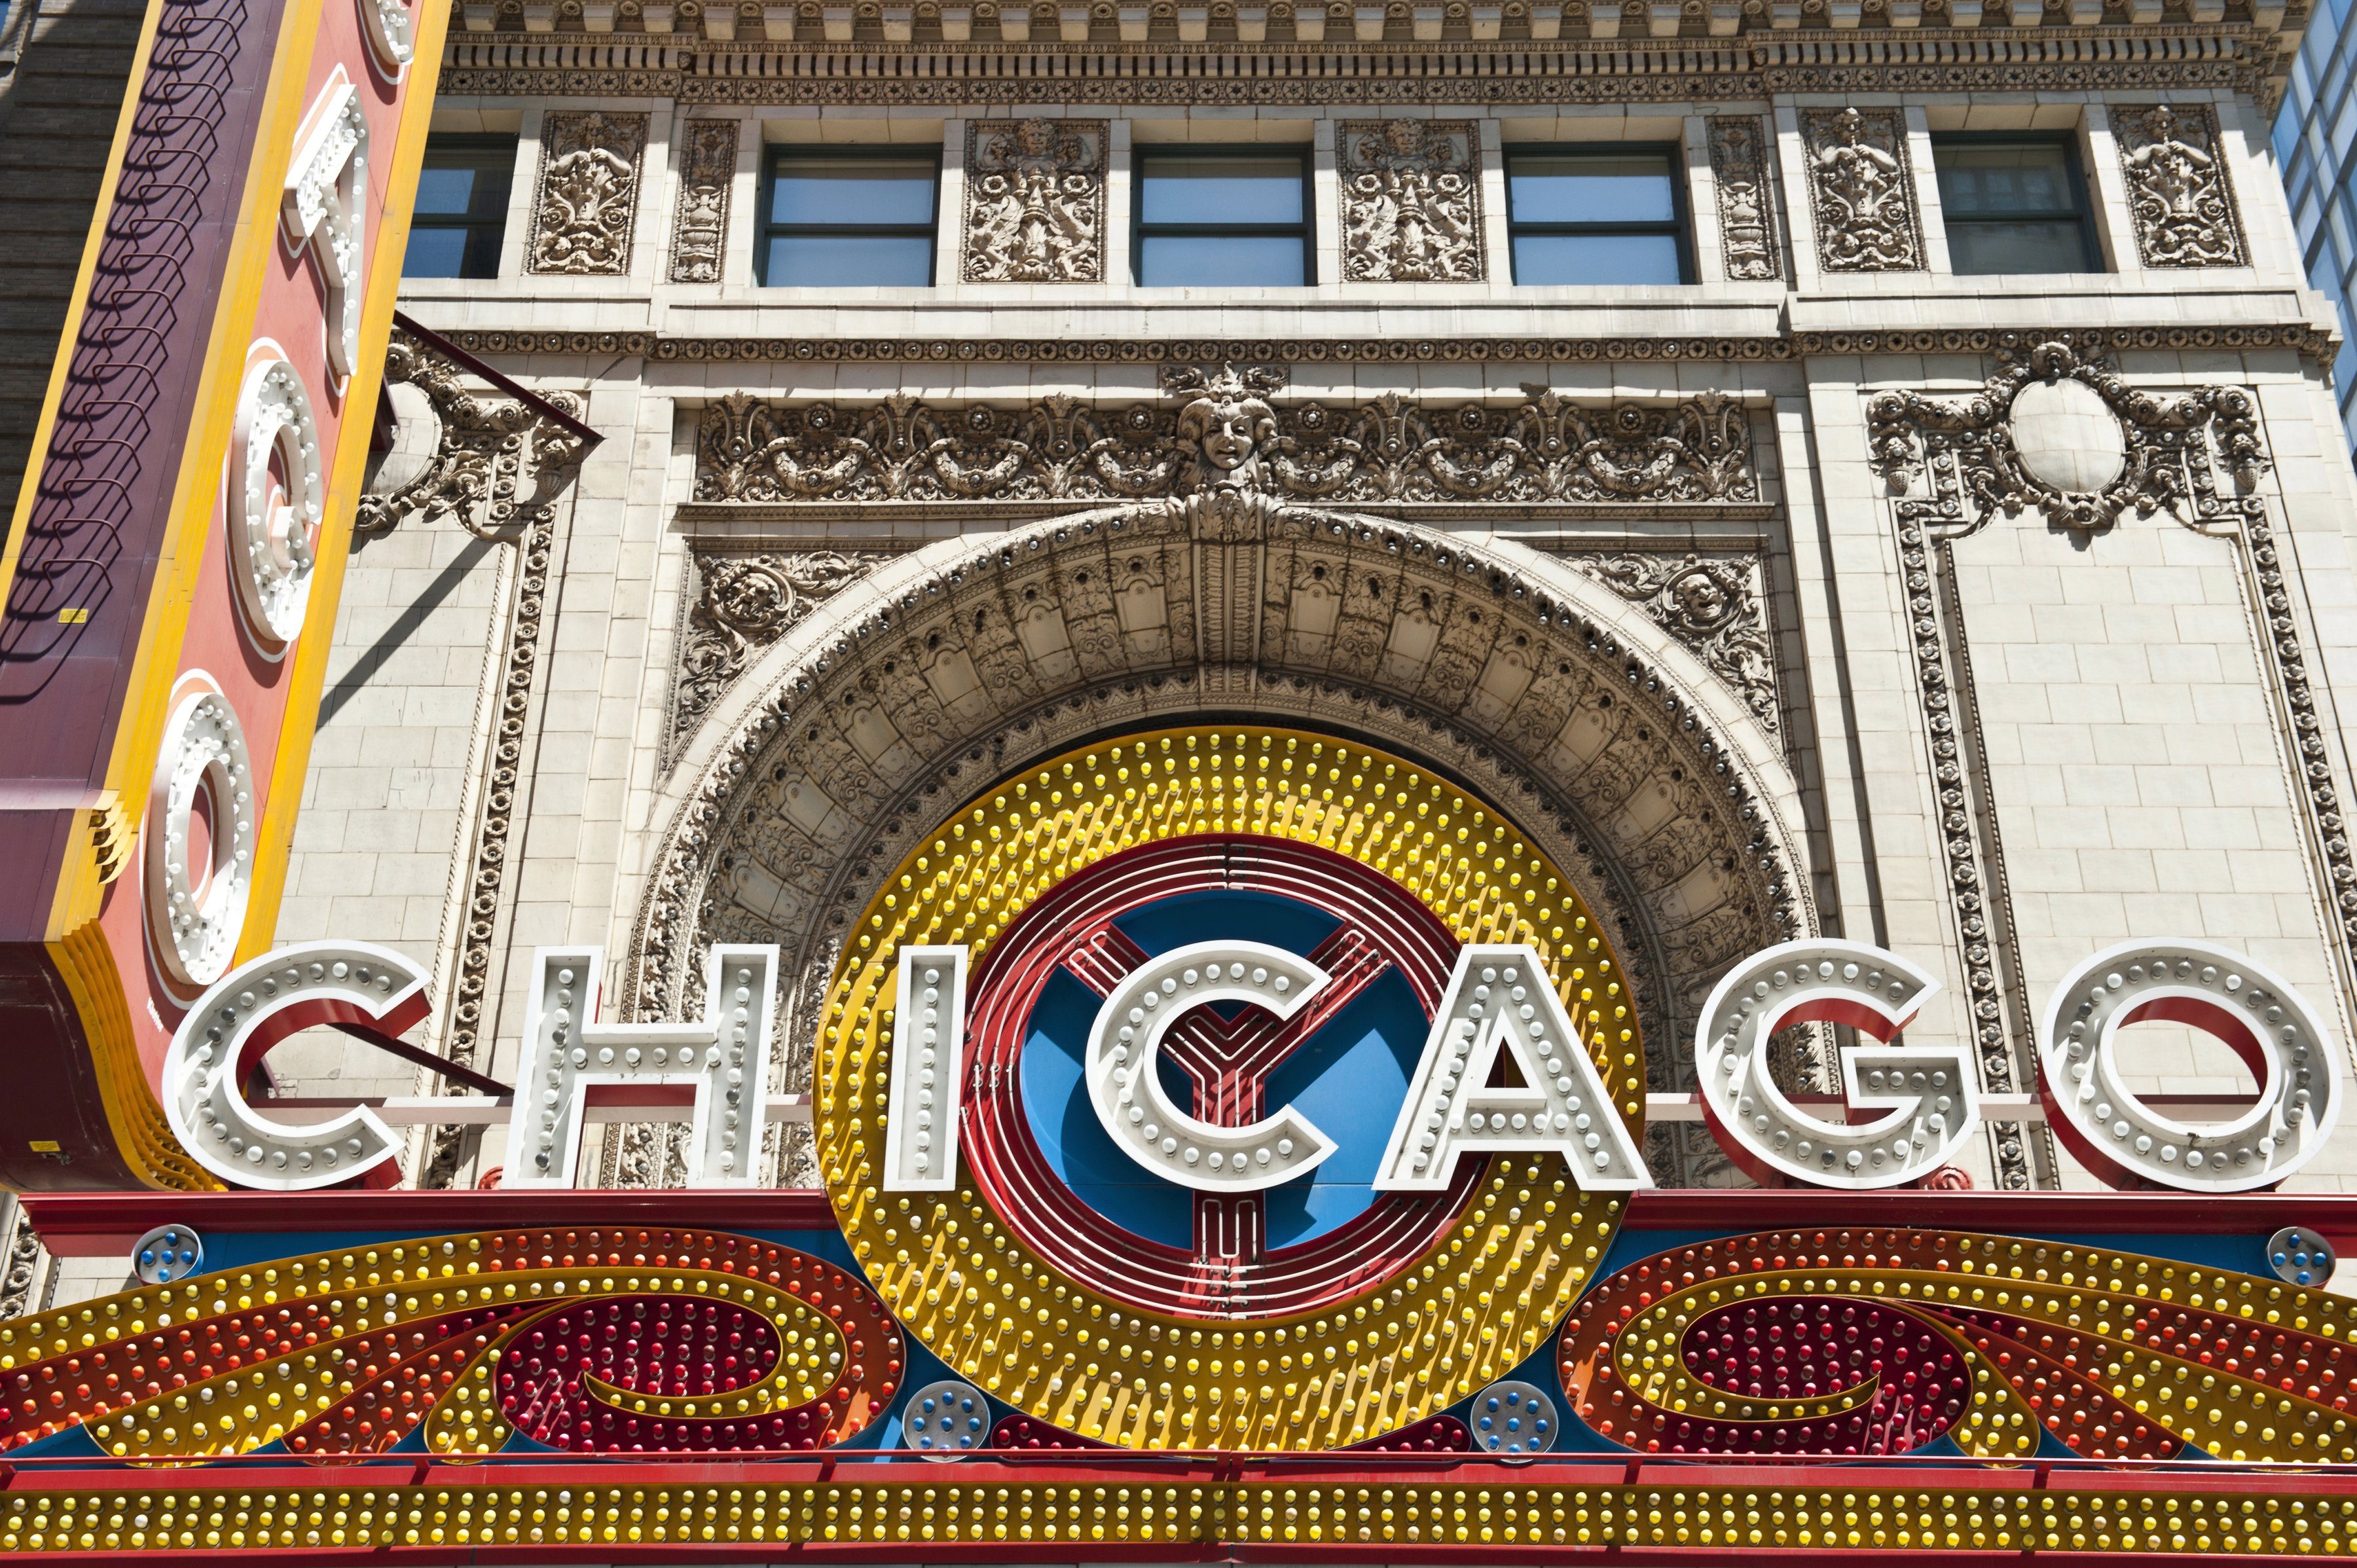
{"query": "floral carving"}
{"type": "Point", "coordinates": [1747, 211]}
{"type": "Point", "coordinates": [589, 196]}
{"type": "Point", "coordinates": [2179, 194]}
{"type": "Point", "coordinates": [1862, 191]}
{"type": "Point", "coordinates": [743, 603]}
{"type": "Point", "coordinates": [1711, 606]}
{"type": "Point", "coordinates": [1967, 448]}
{"type": "Point", "coordinates": [1228, 435]}
{"type": "Point", "coordinates": [1411, 201]}
{"type": "Point", "coordinates": [707, 167]}
{"type": "Point", "coordinates": [1034, 201]}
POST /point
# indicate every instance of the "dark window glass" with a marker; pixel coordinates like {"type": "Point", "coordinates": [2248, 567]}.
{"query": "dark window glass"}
{"type": "Point", "coordinates": [1597, 215]}
{"type": "Point", "coordinates": [2015, 205]}
{"type": "Point", "coordinates": [1223, 218]}
{"type": "Point", "coordinates": [462, 207]}
{"type": "Point", "coordinates": [842, 218]}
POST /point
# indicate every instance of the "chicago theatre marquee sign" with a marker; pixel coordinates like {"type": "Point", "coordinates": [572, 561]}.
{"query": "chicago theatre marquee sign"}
{"type": "Point", "coordinates": [1231, 1139]}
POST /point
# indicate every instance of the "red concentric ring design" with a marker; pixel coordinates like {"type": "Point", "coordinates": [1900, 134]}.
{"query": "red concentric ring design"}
{"type": "Point", "coordinates": [1226, 1275]}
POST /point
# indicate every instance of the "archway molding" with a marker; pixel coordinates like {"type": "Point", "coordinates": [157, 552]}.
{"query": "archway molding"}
{"type": "Point", "coordinates": [858, 732]}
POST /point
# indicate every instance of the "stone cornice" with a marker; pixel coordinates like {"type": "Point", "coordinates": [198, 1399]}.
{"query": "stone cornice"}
{"type": "Point", "coordinates": [2308, 342]}
{"type": "Point", "coordinates": [1753, 65]}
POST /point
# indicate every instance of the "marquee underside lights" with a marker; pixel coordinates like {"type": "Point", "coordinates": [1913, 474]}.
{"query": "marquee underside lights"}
{"type": "Point", "coordinates": [2273, 1028]}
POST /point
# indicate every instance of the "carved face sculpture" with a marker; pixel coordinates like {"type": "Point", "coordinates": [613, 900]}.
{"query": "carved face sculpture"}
{"type": "Point", "coordinates": [1035, 138]}
{"type": "Point", "coordinates": [1226, 427]}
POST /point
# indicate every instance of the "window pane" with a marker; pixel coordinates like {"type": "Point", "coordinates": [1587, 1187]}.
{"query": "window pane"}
{"type": "Point", "coordinates": [1584, 189]}
{"type": "Point", "coordinates": [434, 253]}
{"type": "Point", "coordinates": [1980, 248]}
{"type": "Point", "coordinates": [852, 190]}
{"type": "Point", "coordinates": [848, 261]}
{"type": "Point", "coordinates": [1596, 259]}
{"type": "Point", "coordinates": [1222, 190]}
{"type": "Point", "coordinates": [1173, 260]}
{"type": "Point", "coordinates": [2032, 179]}
{"type": "Point", "coordinates": [450, 188]}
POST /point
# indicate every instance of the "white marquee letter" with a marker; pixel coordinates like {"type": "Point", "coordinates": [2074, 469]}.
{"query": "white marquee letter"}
{"type": "Point", "coordinates": [270, 533]}
{"type": "Point", "coordinates": [1931, 1092]}
{"type": "Point", "coordinates": [324, 205]}
{"type": "Point", "coordinates": [253, 1008]}
{"type": "Point", "coordinates": [920, 1140]}
{"type": "Point", "coordinates": [1128, 1093]}
{"type": "Point", "coordinates": [2269, 1025]}
{"type": "Point", "coordinates": [1501, 995]}
{"type": "Point", "coordinates": [723, 1062]}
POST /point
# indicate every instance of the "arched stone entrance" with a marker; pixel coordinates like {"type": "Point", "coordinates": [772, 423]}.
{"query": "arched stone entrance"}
{"type": "Point", "coordinates": [1649, 781]}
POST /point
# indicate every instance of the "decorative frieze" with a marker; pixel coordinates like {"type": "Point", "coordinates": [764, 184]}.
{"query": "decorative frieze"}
{"type": "Point", "coordinates": [2179, 195]}
{"type": "Point", "coordinates": [1034, 201]}
{"type": "Point", "coordinates": [1391, 449]}
{"type": "Point", "coordinates": [707, 169]}
{"type": "Point", "coordinates": [1862, 191]}
{"type": "Point", "coordinates": [2064, 433]}
{"type": "Point", "coordinates": [1411, 201]}
{"type": "Point", "coordinates": [2315, 347]}
{"type": "Point", "coordinates": [1574, 70]}
{"type": "Point", "coordinates": [1747, 205]}
{"type": "Point", "coordinates": [743, 603]}
{"type": "Point", "coordinates": [583, 210]}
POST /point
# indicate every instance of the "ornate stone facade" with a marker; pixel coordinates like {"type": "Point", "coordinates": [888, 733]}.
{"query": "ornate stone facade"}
{"type": "Point", "coordinates": [1745, 596]}
{"type": "Point", "coordinates": [1862, 191]}
{"type": "Point", "coordinates": [1411, 201]}
{"type": "Point", "coordinates": [1034, 201]}
{"type": "Point", "coordinates": [479, 461]}
{"type": "Point", "coordinates": [2179, 193]}
{"type": "Point", "coordinates": [707, 170]}
{"type": "Point", "coordinates": [1545, 450]}
{"type": "Point", "coordinates": [1747, 206]}
{"type": "Point", "coordinates": [586, 201]}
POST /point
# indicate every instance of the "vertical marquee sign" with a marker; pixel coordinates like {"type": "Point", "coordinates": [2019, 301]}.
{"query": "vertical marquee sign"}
{"type": "Point", "coordinates": [173, 563]}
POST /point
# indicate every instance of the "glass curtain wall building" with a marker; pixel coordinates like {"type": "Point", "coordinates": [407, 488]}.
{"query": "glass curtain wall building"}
{"type": "Point", "coordinates": [2316, 146]}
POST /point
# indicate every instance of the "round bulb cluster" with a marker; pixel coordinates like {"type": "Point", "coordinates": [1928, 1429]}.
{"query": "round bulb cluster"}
{"type": "Point", "coordinates": [1876, 1342]}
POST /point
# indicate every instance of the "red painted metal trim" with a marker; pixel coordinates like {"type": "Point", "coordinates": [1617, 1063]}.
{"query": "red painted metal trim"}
{"type": "Point", "coordinates": [82, 1225]}
{"type": "Point", "coordinates": [94, 1224]}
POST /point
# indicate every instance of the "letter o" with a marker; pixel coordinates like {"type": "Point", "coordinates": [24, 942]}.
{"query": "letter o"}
{"type": "Point", "coordinates": [202, 781]}
{"type": "Point", "coordinates": [270, 534]}
{"type": "Point", "coordinates": [2249, 1007]}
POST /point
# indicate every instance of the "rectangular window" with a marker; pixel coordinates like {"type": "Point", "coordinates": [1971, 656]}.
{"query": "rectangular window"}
{"type": "Point", "coordinates": [1597, 215]}
{"type": "Point", "coordinates": [850, 218]}
{"type": "Point", "coordinates": [1223, 217]}
{"type": "Point", "coordinates": [462, 207]}
{"type": "Point", "coordinates": [2015, 204]}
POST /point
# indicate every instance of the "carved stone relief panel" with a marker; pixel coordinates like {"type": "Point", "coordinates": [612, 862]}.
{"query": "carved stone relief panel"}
{"type": "Point", "coordinates": [1411, 201]}
{"type": "Point", "coordinates": [588, 199]}
{"type": "Point", "coordinates": [1220, 432]}
{"type": "Point", "coordinates": [1747, 205]}
{"type": "Point", "coordinates": [1862, 191]}
{"type": "Point", "coordinates": [2179, 197]}
{"type": "Point", "coordinates": [1714, 604]}
{"type": "Point", "coordinates": [742, 604]}
{"type": "Point", "coordinates": [1034, 201]}
{"type": "Point", "coordinates": [707, 170]}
